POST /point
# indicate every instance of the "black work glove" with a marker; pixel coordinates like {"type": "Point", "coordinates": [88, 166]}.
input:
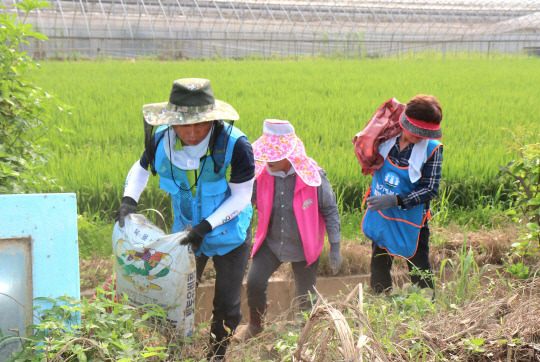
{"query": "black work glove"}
{"type": "Point", "coordinates": [381, 202]}
{"type": "Point", "coordinates": [128, 206]}
{"type": "Point", "coordinates": [196, 235]}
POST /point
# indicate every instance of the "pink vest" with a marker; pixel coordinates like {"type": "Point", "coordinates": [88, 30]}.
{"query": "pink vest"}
{"type": "Point", "coordinates": [306, 210]}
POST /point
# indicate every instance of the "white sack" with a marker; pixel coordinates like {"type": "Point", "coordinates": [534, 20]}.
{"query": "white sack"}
{"type": "Point", "coordinates": [153, 268]}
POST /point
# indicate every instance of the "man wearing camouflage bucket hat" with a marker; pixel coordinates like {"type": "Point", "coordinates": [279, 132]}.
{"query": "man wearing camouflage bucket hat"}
{"type": "Point", "coordinates": [192, 150]}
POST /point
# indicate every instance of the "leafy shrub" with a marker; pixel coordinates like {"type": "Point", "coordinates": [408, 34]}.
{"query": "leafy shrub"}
{"type": "Point", "coordinates": [108, 330]}
{"type": "Point", "coordinates": [525, 172]}
{"type": "Point", "coordinates": [23, 107]}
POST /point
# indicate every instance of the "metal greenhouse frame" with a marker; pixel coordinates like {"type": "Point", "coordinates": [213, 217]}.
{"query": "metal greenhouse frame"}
{"type": "Point", "coordinates": [224, 28]}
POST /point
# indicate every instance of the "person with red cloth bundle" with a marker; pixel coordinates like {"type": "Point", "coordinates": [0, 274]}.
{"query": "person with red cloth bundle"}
{"type": "Point", "coordinates": [399, 198]}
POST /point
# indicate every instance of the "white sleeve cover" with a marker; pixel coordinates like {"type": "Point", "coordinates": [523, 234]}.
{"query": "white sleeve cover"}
{"type": "Point", "coordinates": [239, 199]}
{"type": "Point", "coordinates": [136, 181]}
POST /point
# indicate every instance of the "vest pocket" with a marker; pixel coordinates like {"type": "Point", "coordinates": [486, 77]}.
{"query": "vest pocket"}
{"type": "Point", "coordinates": [168, 185]}
{"type": "Point", "coordinates": [228, 236]}
{"type": "Point", "coordinates": [212, 196]}
{"type": "Point", "coordinates": [393, 231]}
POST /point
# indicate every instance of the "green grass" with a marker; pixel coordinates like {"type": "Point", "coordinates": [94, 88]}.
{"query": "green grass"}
{"type": "Point", "coordinates": [328, 102]}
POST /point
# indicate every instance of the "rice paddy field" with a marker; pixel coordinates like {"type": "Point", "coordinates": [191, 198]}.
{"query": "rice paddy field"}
{"type": "Point", "coordinates": [328, 101]}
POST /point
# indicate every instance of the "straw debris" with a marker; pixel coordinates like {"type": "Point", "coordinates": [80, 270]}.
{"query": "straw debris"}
{"type": "Point", "coordinates": [502, 329]}
{"type": "Point", "coordinates": [328, 336]}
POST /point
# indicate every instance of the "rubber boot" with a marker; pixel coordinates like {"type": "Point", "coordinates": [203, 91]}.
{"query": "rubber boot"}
{"type": "Point", "coordinates": [256, 317]}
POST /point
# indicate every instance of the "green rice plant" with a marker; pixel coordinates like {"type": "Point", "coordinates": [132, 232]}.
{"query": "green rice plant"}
{"type": "Point", "coordinates": [465, 278]}
{"type": "Point", "coordinates": [94, 236]}
{"type": "Point", "coordinates": [440, 207]}
{"type": "Point", "coordinates": [327, 101]}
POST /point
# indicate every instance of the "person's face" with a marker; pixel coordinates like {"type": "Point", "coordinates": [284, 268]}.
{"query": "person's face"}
{"type": "Point", "coordinates": [410, 138]}
{"type": "Point", "coordinates": [192, 134]}
{"type": "Point", "coordinates": [282, 165]}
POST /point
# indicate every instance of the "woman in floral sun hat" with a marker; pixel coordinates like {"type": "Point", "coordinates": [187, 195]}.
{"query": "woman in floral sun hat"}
{"type": "Point", "coordinates": [295, 204]}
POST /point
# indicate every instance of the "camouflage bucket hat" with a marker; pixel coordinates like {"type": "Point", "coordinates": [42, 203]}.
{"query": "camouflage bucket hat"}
{"type": "Point", "coordinates": [191, 101]}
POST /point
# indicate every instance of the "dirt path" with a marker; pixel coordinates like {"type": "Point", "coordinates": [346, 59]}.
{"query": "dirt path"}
{"type": "Point", "coordinates": [490, 246]}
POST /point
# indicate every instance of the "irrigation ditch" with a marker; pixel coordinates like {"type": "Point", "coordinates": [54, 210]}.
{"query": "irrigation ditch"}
{"type": "Point", "coordinates": [490, 246]}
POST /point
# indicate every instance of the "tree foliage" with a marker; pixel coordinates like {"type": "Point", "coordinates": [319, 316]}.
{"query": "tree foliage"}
{"type": "Point", "coordinates": [24, 107]}
{"type": "Point", "coordinates": [525, 171]}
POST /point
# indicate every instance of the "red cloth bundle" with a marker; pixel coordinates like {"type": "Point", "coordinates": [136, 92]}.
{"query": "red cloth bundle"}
{"type": "Point", "coordinates": [382, 126]}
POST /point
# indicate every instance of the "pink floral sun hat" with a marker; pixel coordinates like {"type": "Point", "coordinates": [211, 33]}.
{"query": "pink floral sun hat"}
{"type": "Point", "coordinates": [279, 142]}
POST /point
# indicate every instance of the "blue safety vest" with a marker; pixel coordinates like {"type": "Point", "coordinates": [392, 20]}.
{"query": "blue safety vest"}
{"type": "Point", "coordinates": [395, 229]}
{"type": "Point", "coordinates": [212, 191]}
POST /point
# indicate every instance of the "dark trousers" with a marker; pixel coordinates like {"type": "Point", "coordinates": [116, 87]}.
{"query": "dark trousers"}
{"type": "Point", "coordinates": [264, 264]}
{"type": "Point", "coordinates": [381, 264]}
{"type": "Point", "coordinates": [230, 269]}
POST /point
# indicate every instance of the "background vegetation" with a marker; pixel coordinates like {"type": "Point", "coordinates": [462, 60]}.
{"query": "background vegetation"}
{"type": "Point", "coordinates": [328, 102]}
{"type": "Point", "coordinates": [480, 311]}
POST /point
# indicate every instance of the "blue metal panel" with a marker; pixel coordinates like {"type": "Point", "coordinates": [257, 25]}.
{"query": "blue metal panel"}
{"type": "Point", "coordinates": [49, 222]}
